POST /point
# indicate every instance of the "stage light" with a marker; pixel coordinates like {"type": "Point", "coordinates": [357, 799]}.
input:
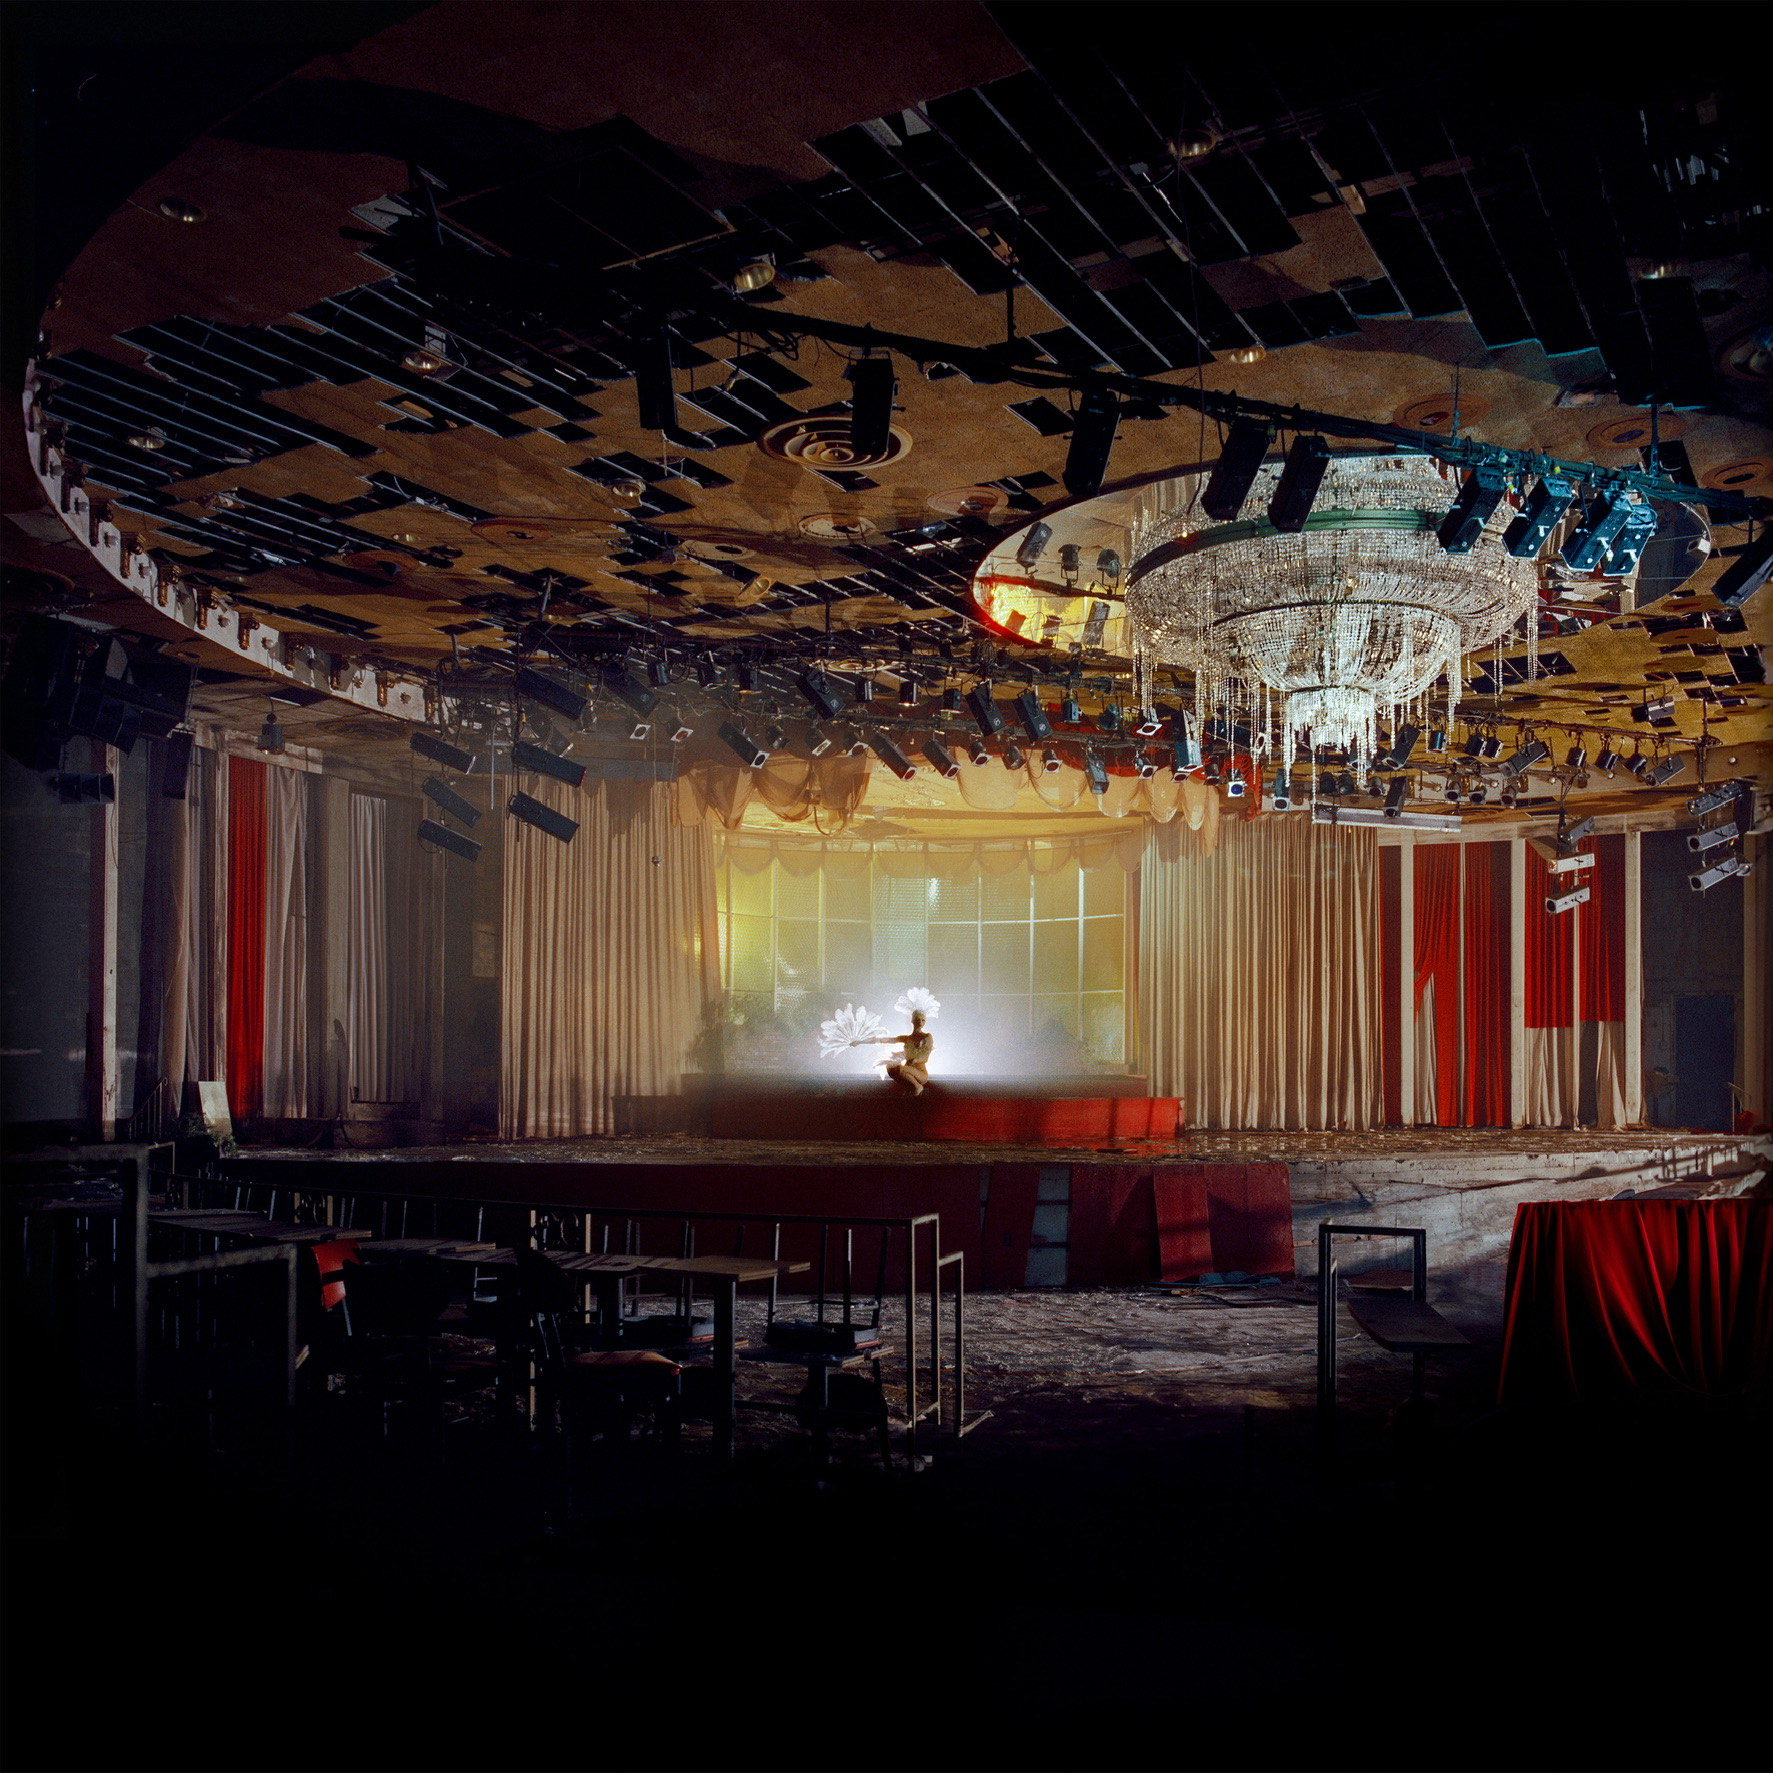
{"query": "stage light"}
{"type": "Point", "coordinates": [1574, 834]}
{"type": "Point", "coordinates": [1240, 457]}
{"type": "Point", "coordinates": [1283, 791]}
{"type": "Point", "coordinates": [1092, 442]}
{"type": "Point", "coordinates": [532, 812]}
{"type": "Point", "coordinates": [908, 692]}
{"type": "Point", "coordinates": [1032, 545]}
{"type": "Point", "coordinates": [1562, 866]}
{"type": "Point", "coordinates": [1149, 723]}
{"type": "Point", "coordinates": [1463, 526]}
{"type": "Point", "coordinates": [1628, 546]}
{"type": "Point", "coordinates": [1234, 785]}
{"type": "Point", "coordinates": [1637, 763]}
{"type": "Point", "coordinates": [872, 387]}
{"type": "Point", "coordinates": [1452, 790]}
{"type": "Point", "coordinates": [1538, 517]}
{"type": "Point", "coordinates": [1534, 751]}
{"type": "Point", "coordinates": [892, 756]}
{"type": "Point", "coordinates": [1107, 567]}
{"type": "Point", "coordinates": [1328, 813]}
{"type": "Point", "coordinates": [707, 673]}
{"type": "Point", "coordinates": [550, 694]}
{"type": "Point", "coordinates": [1146, 765]}
{"type": "Point", "coordinates": [658, 672]}
{"type": "Point", "coordinates": [655, 400]}
{"type": "Point", "coordinates": [1665, 771]}
{"type": "Point", "coordinates": [1070, 714]}
{"type": "Point", "coordinates": [821, 693]}
{"type": "Point", "coordinates": [977, 752]}
{"type": "Point", "coordinates": [1567, 901]}
{"type": "Point", "coordinates": [1109, 720]}
{"type": "Point", "coordinates": [630, 690]}
{"type": "Point", "coordinates": [775, 738]}
{"type": "Point", "coordinates": [1050, 761]}
{"type": "Point", "coordinates": [1592, 540]}
{"type": "Point", "coordinates": [444, 839]}
{"type": "Point", "coordinates": [681, 733]}
{"type": "Point", "coordinates": [982, 705]}
{"type": "Point", "coordinates": [1437, 739]}
{"type": "Point", "coordinates": [941, 759]}
{"type": "Point", "coordinates": [952, 701]}
{"type": "Point", "coordinates": [852, 743]}
{"type": "Point", "coordinates": [1490, 746]}
{"type": "Point", "coordinates": [1184, 743]}
{"type": "Point", "coordinates": [1747, 573]}
{"type": "Point", "coordinates": [1474, 743]}
{"type": "Point", "coordinates": [439, 793]}
{"type": "Point", "coordinates": [1606, 760]}
{"type": "Point", "coordinates": [1095, 772]}
{"type": "Point", "coordinates": [745, 680]}
{"type": "Point", "coordinates": [1709, 839]}
{"type": "Point", "coordinates": [1713, 798]}
{"type": "Point", "coordinates": [1725, 868]}
{"type": "Point", "coordinates": [1210, 772]}
{"type": "Point", "coordinates": [1576, 758]}
{"type": "Point", "coordinates": [1398, 751]}
{"type": "Point", "coordinates": [1012, 756]}
{"type": "Point", "coordinates": [525, 756]}
{"type": "Point", "coordinates": [440, 752]}
{"type": "Point", "coordinates": [742, 745]}
{"type": "Point", "coordinates": [1479, 794]}
{"type": "Point", "coordinates": [1032, 715]}
{"type": "Point", "coordinates": [753, 275]}
{"type": "Point", "coordinates": [817, 742]}
{"type": "Point", "coordinates": [1396, 795]}
{"type": "Point", "coordinates": [1303, 474]}
{"type": "Point", "coordinates": [863, 689]}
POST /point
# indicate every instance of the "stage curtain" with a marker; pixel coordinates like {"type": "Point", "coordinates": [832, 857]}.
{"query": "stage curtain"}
{"type": "Point", "coordinates": [1391, 980]}
{"type": "Point", "coordinates": [802, 854]}
{"type": "Point", "coordinates": [1613, 1299]}
{"type": "Point", "coordinates": [1550, 1034]}
{"type": "Point", "coordinates": [371, 1073]}
{"type": "Point", "coordinates": [611, 954]}
{"type": "Point", "coordinates": [1487, 985]}
{"type": "Point", "coordinates": [206, 917]}
{"type": "Point", "coordinates": [246, 937]}
{"type": "Point", "coordinates": [1601, 939]}
{"type": "Point", "coordinates": [1437, 918]}
{"type": "Point", "coordinates": [164, 935]}
{"type": "Point", "coordinates": [1259, 974]}
{"type": "Point", "coordinates": [288, 1091]}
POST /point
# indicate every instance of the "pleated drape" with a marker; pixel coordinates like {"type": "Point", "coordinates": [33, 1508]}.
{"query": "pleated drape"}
{"type": "Point", "coordinates": [289, 1092]}
{"type": "Point", "coordinates": [246, 937]}
{"type": "Point", "coordinates": [1551, 1047]}
{"type": "Point", "coordinates": [367, 994]}
{"type": "Point", "coordinates": [1437, 982]}
{"type": "Point", "coordinates": [611, 954]}
{"type": "Point", "coordinates": [1487, 986]}
{"type": "Point", "coordinates": [1600, 936]}
{"type": "Point", "coordinates": [1259, 975]}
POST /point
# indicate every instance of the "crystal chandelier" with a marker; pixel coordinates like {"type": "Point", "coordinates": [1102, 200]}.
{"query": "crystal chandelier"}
{"type": "Point", "coordinates": [1314, 637]}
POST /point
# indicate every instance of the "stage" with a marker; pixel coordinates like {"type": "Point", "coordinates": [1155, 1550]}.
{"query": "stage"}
{"type": "Point", "coordinates": [1125, 1215]}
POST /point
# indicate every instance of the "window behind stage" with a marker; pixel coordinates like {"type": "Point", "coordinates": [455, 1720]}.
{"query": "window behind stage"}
{"type": "Point", "coordinates": [1029, 968]}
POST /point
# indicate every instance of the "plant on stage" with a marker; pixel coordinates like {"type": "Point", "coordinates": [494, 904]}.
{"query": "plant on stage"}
{"type": "Point", "coordinates": [847, 1026]}
{"type": "Point", "coordinates": [919, 997]}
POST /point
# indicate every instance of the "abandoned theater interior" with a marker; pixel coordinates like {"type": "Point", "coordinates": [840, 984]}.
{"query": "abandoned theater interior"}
{"type": "Point", "coordinates": [886, 885]}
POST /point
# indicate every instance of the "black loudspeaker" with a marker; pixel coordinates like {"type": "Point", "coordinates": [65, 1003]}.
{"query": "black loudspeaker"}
{"type": "Point", "coordinates": [1303, 474]}
{"type": "Point", "coordinates": [525, 756]}
{"type": "Point", "coordinates": [654, 397]}
{"type": "Point", "coordinates": [441, 837]}
{"type": "Point", "coordinates": [175, 765]}
{"type": "Point", "coordinates": [440, 752]}
{"type": "Point", "coordinates": [440, 794]}
{"type": "Point", "coordinates": [1092, 442]}
{"type": "Point", "coordinates": [1246, 445]}
{"type": "Point", "coordinates": [549, 693]}
{"type": "Point", "coordinates": [532, 812]}
{"type": "Point", "coordinates": [872, 386]}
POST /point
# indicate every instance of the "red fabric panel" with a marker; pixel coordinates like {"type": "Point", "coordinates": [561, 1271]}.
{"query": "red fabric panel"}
{"type": "Point", "coordinates": [1486, 985]}
{"type": "Point", "coordinates": [246, 936]}
{"type": "Point", "coordinates": [1113, 1228]}
{"type": "Point", "coordinates": [1009, 1222]}
{"type": "Point", "coordinates": [978, 1120]}
{"type": "Point", "coordinates": [1611, 1299]}
{"type": "Point", "coordinates": [1550, 992]}
{"type": "Point", "coordinates": [1437, 958]}
{"type": "Point", "coordinates": [1184, 1242]}
{"type": "Point", "coordinates": [1250, 1217]}
{"type": "Point", "coordinates": [1601, 932]}
{"type": "Point", "coordinates": [1391, 961]}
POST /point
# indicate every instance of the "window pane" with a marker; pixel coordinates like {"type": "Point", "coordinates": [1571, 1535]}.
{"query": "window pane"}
{"type": "Point", "coordinates": [796, 897]}
{"type": "Point", "coordinates": [1003, 958]}
{"type": "Point", "coordinates": [849, 896]}
{"type": "Point", "coordinates": [1104, 890]}
{"type": "Point", "coordinates": [898, 956]}
{"type": "Point", "coordinates": [1102, 954]}
{"type": "Point", "coordinates": [954, 958]}
{"type": "Point", "coordinates": [797, 954]}
{"type": "Point", "coordinates": [1055, 956]}
{"type": "Point", "coordinates": [1003, 895]}
{"type": "Point", "coordinates": [751, 954]}
{"type": "Point", "coordinates": [1003, 1017]}
{"type": "Point", "coordinates": [1055, 894]}
{"type": "Point", "coordinates": [956, 900]}
{"type": "Point", "coordinates": [849, 960]}
{"type": "Point", "coordinates": [1104, 1026]}
{"type": "Point", "coordinates": [749, 893]}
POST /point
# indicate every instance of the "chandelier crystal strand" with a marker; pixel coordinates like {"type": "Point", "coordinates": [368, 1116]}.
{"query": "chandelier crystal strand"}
{"type": "Point", "coordinates": [1345, 622]}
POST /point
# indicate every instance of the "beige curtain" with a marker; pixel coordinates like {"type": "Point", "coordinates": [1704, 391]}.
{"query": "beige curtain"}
{"type": "Point", "coordinates": [289, 1091]}
{"type": "Point", "coordinates": [611, 953]}
{"type": "Point", "coordinates": [1258, 973]}
{"type": "Point", "coordinates": [753, 851]}
{"type": "Point", "coordinates": [206, 915]}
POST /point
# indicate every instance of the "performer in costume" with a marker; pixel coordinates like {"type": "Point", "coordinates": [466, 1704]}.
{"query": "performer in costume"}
{"type": "Point", "coordinates": [912, 1066]}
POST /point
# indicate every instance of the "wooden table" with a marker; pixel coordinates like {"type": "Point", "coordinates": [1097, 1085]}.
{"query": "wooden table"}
{"type": "Point", "coordinates": [253, 1226]}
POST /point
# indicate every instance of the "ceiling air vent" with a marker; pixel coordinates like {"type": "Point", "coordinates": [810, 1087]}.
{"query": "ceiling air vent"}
{"type": "Point", "coordinates": [823, 445]}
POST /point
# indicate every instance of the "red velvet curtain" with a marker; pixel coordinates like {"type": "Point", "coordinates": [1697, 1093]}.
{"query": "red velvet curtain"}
{"type": "Point", "coordinates": [246, 936]}
{"type": "Point", "coordinates": [1486, 985]}
{"type": "Point", "coordinates": [1613, 1299]}
{"type": "Point", "coordinates": [1601, 932]}
{"type": "Point", "coordinates": [1437, 959]}
{"type": "Point", "coordinates": [1550, 984]}
{"type": "Point", "coordinates": [1391, 960]}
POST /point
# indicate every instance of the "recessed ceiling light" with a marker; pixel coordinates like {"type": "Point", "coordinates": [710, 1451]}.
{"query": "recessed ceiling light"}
{"type": "Point", "coordinates": [176, 209]}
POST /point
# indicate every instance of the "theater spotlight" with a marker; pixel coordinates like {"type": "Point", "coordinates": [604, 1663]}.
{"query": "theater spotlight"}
{"type": "Point", "coordinates": [439, 752]}
{"type": "Point", "coordinates": [1629, 545]}
{"type": "Point", "coordinates": [1146, 764]}
{"type": "Point", "coordinates": [982, 705]}
{"type": "Point", "coordinates": [942, 760]}
{"type": "Point", "coordinates": [852, 743]}
{"type": "Point", "coordinates": [1032, 545]}
{"type": "Point", "coordinates": [1070, 714]}
{"type": "Point", "coordinates": [1095, 773]}
{"type": "Point", "coordinates": [1032, 715]}
{"type": "Point", "coordinates": [952, 700]}
{"type": "Point", "coordinates": [1050, 761]}
{"type": "Point", "coordinates": [1283, 791]}
{"type": "Point", "coordinates": [1107, 568]}
{"type": "Point", "coordinates": [681, 732]}
{"type": "Point", "coordinates": [1092, 441]}
{"type": "Point", "coordinates": [1490, 746]}
{"type": "Point", "coordinates": [1109, 720]}
{"type": "Point", "coordinates": [1538, 517]}
{"type": "Point", "coordinates": [742, 745]}
{"type": "Point", "coordinates": [629, 689]}
{"type": "Point", "coordinates": [1725, 868]}
{"type": "Point", "coordinates": [441, 837]}
{"type": "Point", "coordinates": [270, 735]}
{"type": "Point", "coordinates": [1534, 751]}
{"type": "Point", "coordinates": [1637, 763]}
{"type": "Point", "coordinates": [821, 693]}
{"type": "Point", "coordinates": [441, 795]}
{"type": "Point", "coordinates": [1148, 724]}
{"type": "Point", "coordinates": [525, 756]}
{"type": "Point", "coordinates": [1665, 771]}
{"type": "Point", "coordinates": [1474, 743]}
{"type": "Point", "coordinates": [1240, 457]}
{"type": "Point", "coordinates": [1701, 841]}
{"type": "Point", "coordinates": [1576, 758]}
{"type": "Point", "coordinates": [817, 743]}
{"type": "Point", "coordinates": [544, 818]}
{"type": "Point", "coordinates": [863, 689]}
{"type": "Point", "coordinates": [1070, 563]}
{"type": "Point", "coordinates": [1593, 538]}
{"type": "Point", "coordinates": [1606, 760]}
{"type": "Point", "coordinates": [551, 694]}
{"type": "Point", "coordinates": [1210, 772]}
{"type": "Point", "coordinates": [1187, 746]}
{"type": "Point", "coordinates": [1747, 573]}
{"type": "Point", "coordinates": [1296, 492]}
{"type": "Point", "coordinates": [872, 387]}
{"type": "Point", "coordinates": [1396, 795]}
{"type": "Point", "coordinates": [1398, 751]}
{"type": "Point", "coordinates": [892, 756]}
{"type": "Point", "coordinates": [1013, 758]}
{"type": "Point", "coordinates": [1234, 785]}
{"type": "Point", "coordinates": [775, 738]}
{"type": "Point", "coordinates": [1437, 739]}
{"type": "Point", "coordinates": [707, 673]}
{"type": "Point", "coordinates": [908, 692]}
{"type": "Point", "coordinates": [1479, 794]}
{"type": "Point", "coordinates": [1567, 901]}
{"type": "Point", "coordinates": [1463, 526]}
{"type": "Point", "coordinates": [1713, 798]}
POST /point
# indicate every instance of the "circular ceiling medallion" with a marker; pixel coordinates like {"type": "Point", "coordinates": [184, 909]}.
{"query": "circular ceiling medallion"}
{"type": "Point", "coordinates": [836, 529]}
{"type": "Point", "coordinates": [717, 553]}
{"type": "Point", "coordinates": [1635, 433]}
{"type": "Point", "coordinates": [1436, 413]}
{"type": "Point", "coordinates": [969, 501]}
{"type": "Point", "coordinates": [1734, 476]}
{"type": "Point", "coordinates": [1749, 357]}
{"type": "Point", "coordinates": [824, 444]}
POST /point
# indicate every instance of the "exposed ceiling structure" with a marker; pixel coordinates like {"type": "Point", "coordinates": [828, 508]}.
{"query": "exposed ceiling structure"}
{"type": "Point", "coordinates": [488, 341]}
